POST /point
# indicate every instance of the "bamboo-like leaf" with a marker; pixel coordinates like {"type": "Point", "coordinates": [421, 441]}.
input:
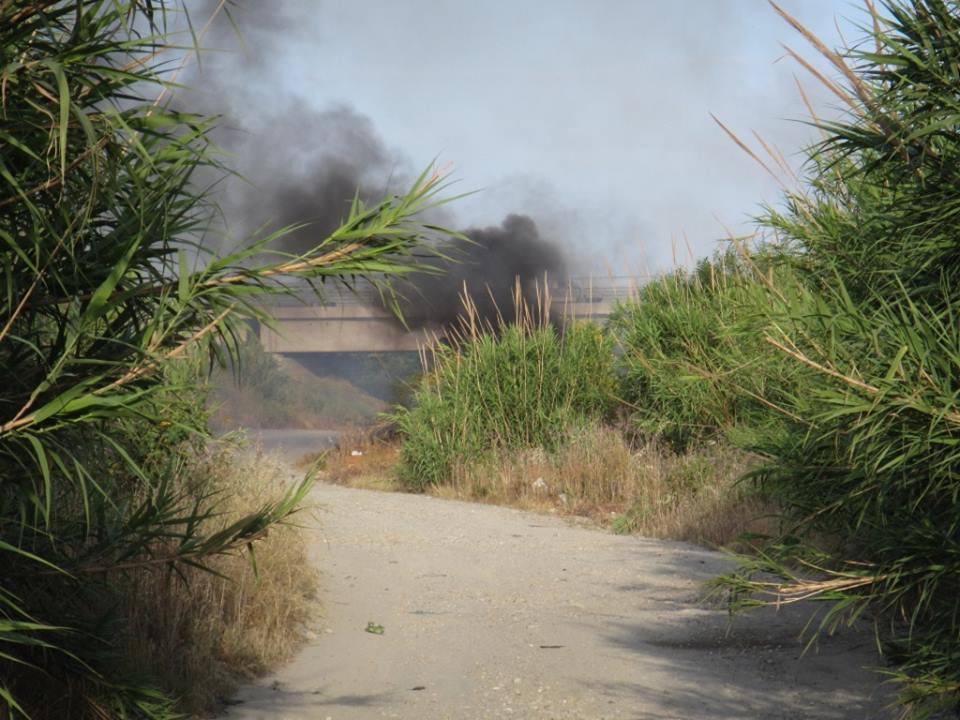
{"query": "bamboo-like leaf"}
{"type": "Point", "coordinates": [109, 292]}
{"type": "Point", "coordinates": [183, 287]}
{"type": "Point", "coordinates": [11, 703]}
{"type": "Point", "coordinates": [31, 557]}
{"type": "Point", "coordinates": [64, 124]}
{"type": "Point", "coordinates": [46, 496]}
{"type": "Point", "coordinates": [98, 300]}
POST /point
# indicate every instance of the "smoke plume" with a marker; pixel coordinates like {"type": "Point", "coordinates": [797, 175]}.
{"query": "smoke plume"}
{"type": "Point", "coordinates": [310, 174]}
{"type": "Point", "coordinates": [496, 263]}
{"type": "Point", "coordinates": [303, 165]}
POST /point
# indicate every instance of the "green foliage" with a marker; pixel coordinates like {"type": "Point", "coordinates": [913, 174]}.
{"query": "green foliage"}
{"type": "Point", "coordinates": [835, 352]}
{"type": "Point", "coordinates": [522, 386]}
{"type": "Point", "coordinates": [874, 237]}
{"type": "Point", "coordinates": [105, 288]}
{"type": "Point", "coordinates": [694, 365]}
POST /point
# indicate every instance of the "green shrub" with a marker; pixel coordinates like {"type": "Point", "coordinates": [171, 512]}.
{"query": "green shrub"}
{"type": "Point", "coordinates": [694, 364]}
{"type": "Point", "coordinates": [105, 290]}
{"type": "Point", "coordinates": [518, 387]}
{"type": "Point", "coordinates": [874, 237]}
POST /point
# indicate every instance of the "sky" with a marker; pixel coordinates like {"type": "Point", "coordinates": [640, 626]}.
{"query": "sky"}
{"type": "Point", "coordinates": [591, 116]}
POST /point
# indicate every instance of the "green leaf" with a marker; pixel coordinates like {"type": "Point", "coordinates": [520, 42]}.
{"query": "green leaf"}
{"type": "Point", "coordinates": [47, 495]}
{"type": "Point", "coordinates": [99, 299]}
{"type": "Point", "coordinates": [183, 281]}
{"type": "Point", "coordinates": [11, 702]}
{"type": "Point", "coordinates": [34, 558]}
{"type": "Point", "coordinates": [64, 91]}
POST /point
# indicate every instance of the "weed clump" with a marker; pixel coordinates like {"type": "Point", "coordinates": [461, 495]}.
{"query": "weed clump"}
{"type": "Point", "coordinates": [517, 386]}
{"type": "Point", "coordinates": [695, 367]}
{"type": "Point", "coordinates": [836, 356]}
{"type": "Point", "coordinates": [201, 631]}
{"type": "Point", "coordinates": [527, 415]}
{"type": "Point", "coordinates": [643, 488]}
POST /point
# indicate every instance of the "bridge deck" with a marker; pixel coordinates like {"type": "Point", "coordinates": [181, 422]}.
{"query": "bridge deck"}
{"type": "Point", "coordinates": [353, 322]}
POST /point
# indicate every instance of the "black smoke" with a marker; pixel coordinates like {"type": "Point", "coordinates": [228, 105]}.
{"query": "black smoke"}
{"type": "Point", "coordinates": [299, 164]}
{"type": "Point", "coordinates": [497, 264]}
{"type": "Point", "coordinates": [305, 166]}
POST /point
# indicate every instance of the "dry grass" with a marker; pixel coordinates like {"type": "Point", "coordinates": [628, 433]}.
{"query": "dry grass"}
{"type": "Point", "coordinates": [646, 490]}
{"type": "Point", "coordinates": [202, 633]}
{"type": "Point", "coordinates": [359, 460]}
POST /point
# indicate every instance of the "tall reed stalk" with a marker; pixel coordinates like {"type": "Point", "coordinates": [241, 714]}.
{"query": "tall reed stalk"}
{"type": "Point", "coordinates": [105, 287]}
{"type": "Point", "coordinates": [873, 322]}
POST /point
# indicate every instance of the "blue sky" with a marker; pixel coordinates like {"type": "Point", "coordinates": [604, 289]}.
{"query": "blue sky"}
{"type": "Point", "coordinates": [593, 116]}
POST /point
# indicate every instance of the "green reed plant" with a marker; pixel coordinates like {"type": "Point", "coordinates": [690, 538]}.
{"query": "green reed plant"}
{"type": "Point", "coordinates": [105, 288]}
{"type": "Point", "coordinates": [873, 235]}
{"type": "Point", "coordinates": [511, 386]}
{"type": "Point", "coordinates": [694, 366]}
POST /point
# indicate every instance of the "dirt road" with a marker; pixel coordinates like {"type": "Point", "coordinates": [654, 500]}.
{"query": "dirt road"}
{"type": "Point", "coordinates": [291, 442]}
{"type": "Point", "coordinates": [495, 613]}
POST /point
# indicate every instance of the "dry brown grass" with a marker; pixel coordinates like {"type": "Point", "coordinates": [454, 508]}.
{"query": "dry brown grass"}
{"type": "Point", "coordinates": [202, 634]}
{"type": "Point", "coordinates": [646, 490]}
{"type": "Point", "coordinates": [373, 468]}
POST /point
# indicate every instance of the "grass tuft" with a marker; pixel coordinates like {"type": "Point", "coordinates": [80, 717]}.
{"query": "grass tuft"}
{"type": "Point", "coordinates": [506, 387]}
{"type": "Point", "coordinates": [596, 473]}
{"type": "Point", "coordinates": [200, 632]}
{"type": "Point", "coordinates": [648, 490]}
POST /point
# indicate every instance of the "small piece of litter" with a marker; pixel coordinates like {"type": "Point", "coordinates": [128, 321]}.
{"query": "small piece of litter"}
{"type": "Point", "coordinates": [374, 628]}
{"type": "Point", "coordinates": [356, 453]}
{"type": "Point", "coordinates": [419, 687]}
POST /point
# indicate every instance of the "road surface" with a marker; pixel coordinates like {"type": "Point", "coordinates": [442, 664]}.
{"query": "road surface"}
{"type": "Point", "coordinates": [293, 444]}
{"type": "Point", "coordinates": [491, 613]}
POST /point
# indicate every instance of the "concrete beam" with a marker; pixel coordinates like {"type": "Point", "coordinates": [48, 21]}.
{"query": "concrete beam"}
{"type": "Point", "coordinates": [361, 328]}
{"type": "Point", "coordinates": [342, 335]}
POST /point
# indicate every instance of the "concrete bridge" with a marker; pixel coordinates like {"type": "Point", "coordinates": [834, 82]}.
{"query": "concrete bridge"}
{"type": "Point", "coordinates": [353, 322]}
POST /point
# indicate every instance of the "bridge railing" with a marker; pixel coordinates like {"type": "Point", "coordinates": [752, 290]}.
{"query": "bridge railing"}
{"type": "Point", "coordinates": [578, 289]}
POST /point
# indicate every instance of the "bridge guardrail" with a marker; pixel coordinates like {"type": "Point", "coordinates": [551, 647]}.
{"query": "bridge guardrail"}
{"type": "Point", "coordinates": [582, 289]}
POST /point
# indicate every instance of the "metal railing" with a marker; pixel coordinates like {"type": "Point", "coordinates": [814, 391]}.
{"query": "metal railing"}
{"type": "Point", "coordinates": [578, 289]}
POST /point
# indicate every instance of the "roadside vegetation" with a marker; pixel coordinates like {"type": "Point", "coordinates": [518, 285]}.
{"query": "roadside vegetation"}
{"type": "Point", "coordinates": [695, 367]}
{"type": "Point", "coordinates": [200, 631]}
{"type": "Point", "coordinates": [811, 372]}
{"type": "Point", "coordinates": [526, 413]}
{"type": "Point", "coordinates": [795, 388]}
{"type": "Point", "coordinates": [508, 387]}
{"type": "Point", "coordinates": [875, 458]}
{"type": "Point", "coordinates": [118, 516]}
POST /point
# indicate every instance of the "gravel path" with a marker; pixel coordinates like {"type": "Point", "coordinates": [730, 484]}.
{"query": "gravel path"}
{"type": "Point", "coordinates": [491, 612]}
